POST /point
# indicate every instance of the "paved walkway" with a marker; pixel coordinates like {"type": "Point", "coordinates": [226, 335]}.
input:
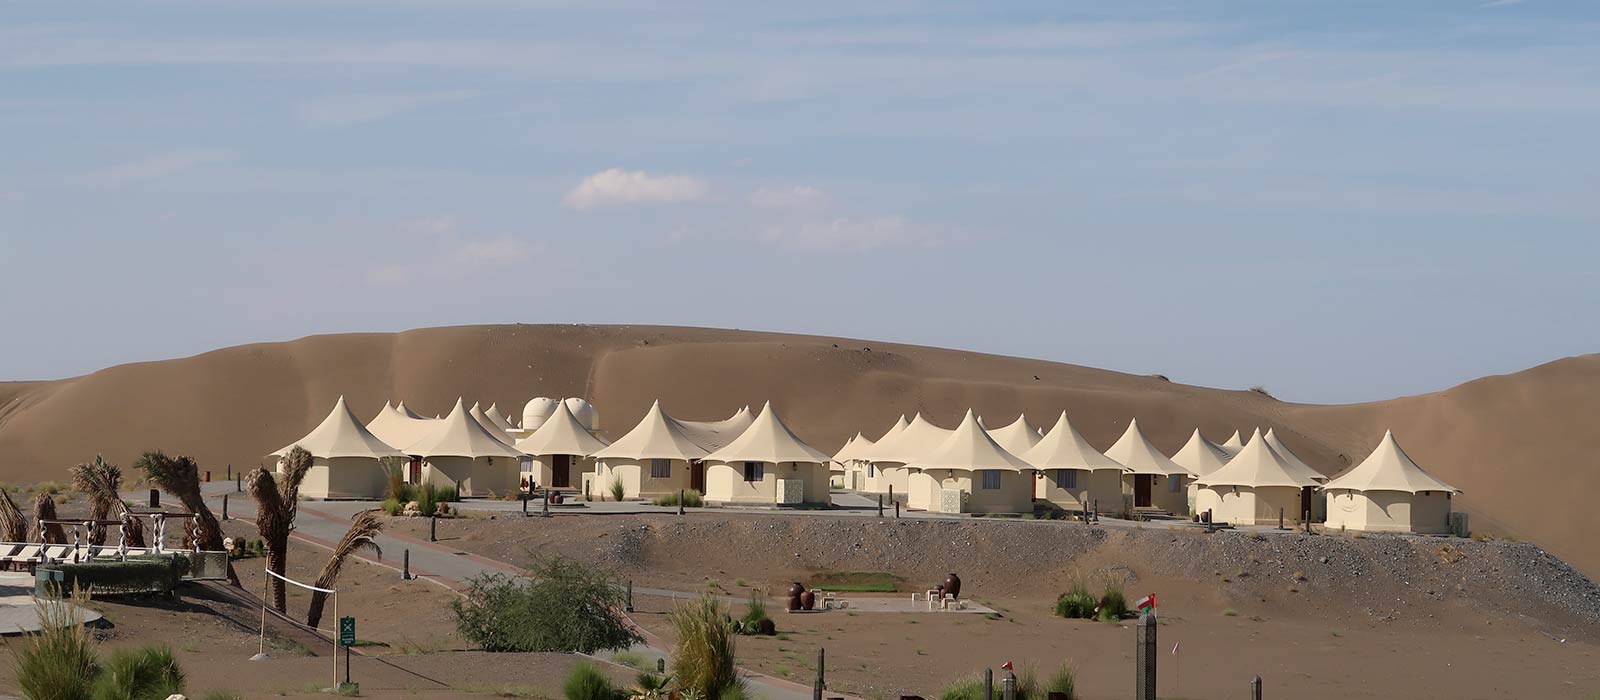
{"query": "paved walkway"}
{"type": "Point", "coordinates": [18, 614]}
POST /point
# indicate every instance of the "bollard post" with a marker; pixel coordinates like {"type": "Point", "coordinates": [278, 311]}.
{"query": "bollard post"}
{"type": "Point", "coordinates": [208, 476]}
{"type": "Point", "coordinates": [525, 504]}
{"type": "Point", "coordinates": [629, 606]}
{"type": "Point", "coordinates": [405, 567]}
{"type": "Point", "coordinates": [1144, 659]}
{"type": "Point", "coordinates": [155, 498]}
{"type": "Point", "coordinates": [681, 494]}
{"type": "Point", "coordinates": [891, 493]}
{"type": "Point", "coordinates": [230, 470]}
{"type": "Point", "coordinates": [1008, 686]}
{"type": "Point", "coordinates": [224, 506]}
{"type": "Point", "coordinates": [1307, 521]}
{"type": "Point", "coordinates": [988, 684]}
{"type": "Point", "coordinates": [1255, 688]}
{"type": "Point", "coordinates": [880, 505]}
{"type": "Point", "coordinates": [661, 665]}
{"type": "Point", "coordinates": [1094, 507]}
{"type": "Point", "coordinates": [238, 483]}
{"type": "Point", "coordinates": [1280, 518]}
{"type": "Point", "coordinates": [816, 688]}
{"type": "Point", "coordinates": [546, 506]}
{"type": "Point", "coordinates": [896, 510]}
{"type": "Point", "coordinates": [433, 527]}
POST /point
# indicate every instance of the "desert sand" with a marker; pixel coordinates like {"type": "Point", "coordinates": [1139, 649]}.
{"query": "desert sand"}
{"type": "Point", "coordinates": [1520, 446]}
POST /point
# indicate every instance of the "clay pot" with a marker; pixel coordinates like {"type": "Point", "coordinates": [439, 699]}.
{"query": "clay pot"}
{"type": "Point", "coordinates": [796, 588]}
{"type": "Point", "coordinates": [952, 585]}
{"type": "Point", "coordinates": [555, 498]}
{"type": "Point", "coordinates": [808, 600]}
{"type": "Point", "coordinates": [794, 603]}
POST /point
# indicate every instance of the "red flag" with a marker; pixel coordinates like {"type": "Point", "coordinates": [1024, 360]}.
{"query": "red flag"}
{"type": "Point", "coordinates": [1006, 665]}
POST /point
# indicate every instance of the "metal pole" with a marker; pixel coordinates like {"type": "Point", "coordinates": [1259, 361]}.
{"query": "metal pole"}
{"type": "Point", "coordinates": [1008, 686]}
{"type": "Point", "coordinates": [1280, 518]}
{"type": "Point", "coordinates": [525, 504]}
{"type": "Point", "coordinates": [238, 483]}
{"type": "Point", "coordinates": [816, 688]}
{"type": "Point", "coordinates": [1307, 522]}
{"type": "Point", "coordinates": [547, 502]}
{"type": "Point", "coordinates": [224, 506]}
{"type": "Point", "coordinates": [405, 570]}
{"type": "Point", "coordinates": [629, 606]}
{"type": "Point", "coordinates": [230, 470]}
{"type": "Point", "coordinates": [680, 501]}
{"type": "Point", "coordinates": [1144, 658]}
{"type": "Point", "coordinates": [988, 684]}
{"type": "Point", "coordinates": [896, 510]}
{"type": "Point", "coordinates": [433, 527]}
{"type": "Point", "coordinates": [336, 639]}
{"type": "Point", "coordinates": [880, 505]}
{"type": "Point", "coordinates": [265, 579]}
{"type": "Point", "coordinates": [1255, 688]}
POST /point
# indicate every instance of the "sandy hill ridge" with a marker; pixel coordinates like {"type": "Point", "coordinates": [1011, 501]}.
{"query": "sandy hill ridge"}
{"type": "Point", "coordinates": [1522, 446]}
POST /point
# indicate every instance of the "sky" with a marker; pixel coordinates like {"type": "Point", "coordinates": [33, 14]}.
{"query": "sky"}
{"type": "Point", "coordinates": [1338, 201]}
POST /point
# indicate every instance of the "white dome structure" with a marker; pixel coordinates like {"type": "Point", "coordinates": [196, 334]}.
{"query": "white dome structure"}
{"type": "Point", "coordinates": [537, 411]}
{"type": "Point", "coordinates": [584, 412]}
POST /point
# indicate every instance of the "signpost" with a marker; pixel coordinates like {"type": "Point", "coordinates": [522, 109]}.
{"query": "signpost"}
{"type": "Point", "coordinates": [347, 639]}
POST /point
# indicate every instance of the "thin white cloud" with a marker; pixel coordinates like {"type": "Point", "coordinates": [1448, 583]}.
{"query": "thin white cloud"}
{"type": "Point", "coordinates": [1502, 3]}
{"type": "Point", "coordinates": [458, 261]}
{"type": "Point", "coordinates": [161, 165]}
{"type": "Point", "coordinates": [615, 187]}
{"type": "Point", "coordinates": [347, 110]}
{"type": "Point", "coordinates": [849, 234]}
{"type": "Point", "coordinates": [796, 197]}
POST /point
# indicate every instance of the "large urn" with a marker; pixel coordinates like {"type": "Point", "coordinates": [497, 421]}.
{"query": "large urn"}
{"type": "Point", "coordinates": [808, 600]}
{"type": "Point", "coordinates": [952, 586]}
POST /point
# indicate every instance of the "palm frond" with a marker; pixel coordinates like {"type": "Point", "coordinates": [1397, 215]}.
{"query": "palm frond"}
{"type": "Point", "coordinates": [361, 535]}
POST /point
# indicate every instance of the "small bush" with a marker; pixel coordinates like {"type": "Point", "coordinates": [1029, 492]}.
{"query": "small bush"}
{"type": "Point", "coordinates": [565, 606]}
{"type": "Point", "coordinates": [630, 659]}
{"type": "Point", "coordinates": [971, 687]}
{"type": "Point", "coordinates": [1230, 612]}
{"type": "Point", "coordinates": [703, 661]}
{"type": "Point", "coordinates": [1077, 603]}
{"type": "Point", "coordinates": [691, 499]}
{"type": "Point", "coordinates": [1113, 604]}
{"type": "Point", "coordinates": [616, 490]}
{"type": "Point", "coordinates": [392, 507]}
{"type": "Point", "coordinates": [57, 663]}
{"type": "Point", "coordinates": [586, 682]}
{"type": "Point", "coordinates": [446, 494]}
{"type": "Point", "coordinates": [145, 673]}
{"type": "Point", "coordinates": [1261, 390]}
{"type": "Point", "coordinates": [427, 499]}
{"type": "Point", "coordinates": [755, 620]}
{"type": "Point", "coordinates": [1064, 681]}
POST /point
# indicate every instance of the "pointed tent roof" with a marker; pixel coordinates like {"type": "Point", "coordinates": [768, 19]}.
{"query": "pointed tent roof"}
{"type": "Point", "coordinates": [1388, 468]}
{"type": "Point", "coordinates": [460, 435]}
{"type": "Point", "coordinates": [714, 435]}
{"type": "Point", "coordinates": [1201, 456]}
{"type": "Point", "coordinates": [1257, 465]}
{"type": "Point", "coordinates": [917, 439]}
{"type": "Point", "coordinates": [488, 425]}
{"type": "Point", "coordinates": [494, 416]}
{"type": "Point", "coordinates": [1233, 444]}
{"type": "Point", "coordinates": [561, 434]}
{"type": "Point", "coordinates": [657, 436]}
{"type": "Point", "coordinates": [970, 448]}
{"type": "Point", "coordinates": [852, 449]}
{"type": "Point", "coordinates": [899, 425]}
{"type": "Point", "coordinates": [341, 434]}
{"type": "Point", "coordinates": [395, 428]}
{"type": "Point", "coordinates": [1290, 457]}
{"type": "Point", "coordinates": [1140, 457]}
{"type": "Point", "coordinates": [1064, 448]}
{"type": "Point", "coordinates": [768, 440]}
{"type": "Point", "coordinates": [1017, 438]}
{"type": "Point", "coordinates": [401, 407]}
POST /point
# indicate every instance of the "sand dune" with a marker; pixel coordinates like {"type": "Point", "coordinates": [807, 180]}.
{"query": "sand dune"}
{"type": "Point", "coordinates": [1522, 446]}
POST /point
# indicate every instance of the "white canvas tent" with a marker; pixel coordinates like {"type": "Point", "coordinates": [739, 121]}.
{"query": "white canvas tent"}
{"type": "Point", "coordinates": [346, 457]}
{"type": "Point", "coordinates": [894, 458]}
{"type": "Point", "coordinates": [873, 480]}
{"type": "Point", "coordinates": [1152, 480]}
{"type": "Point", "coordinates": [968, 472]}
{"type": "Point", "coordinates": [488, 425]}
{"type": "Point", "coordinates": [767, 464]}
{"type": "Point", "coordinates": [499, 420]}
{"type": "Point", "coordinates": [654, 459]}
{"type": "Point", "coordinates": [458, 451]}
{"type": "Point", "coordinates": [398, 428]}
{"type": "Point", "coordinates": [1388, 492]}
{"type": "Point", "coordinates": [1018, 437]}
{"type": "Point", "coordinates": [1233, 444]}
{"type": "Point", "coordinates": [1255, 487]}
{"type": "Point", "coordinates": [560, 449]}
{"type": "Point", "coordinates": [1076, 476]}
{"type": "Point", "coordinates": [1201, 457]}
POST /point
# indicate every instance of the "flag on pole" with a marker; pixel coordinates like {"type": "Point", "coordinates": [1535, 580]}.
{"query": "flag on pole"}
{"type": "Point", "coordinates": [1006, 665]}
{"type": "Point", "coordinates": [1146, 604]}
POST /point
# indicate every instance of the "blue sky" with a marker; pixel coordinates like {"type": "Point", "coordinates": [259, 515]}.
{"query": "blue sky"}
{"type": "Point", "coordinates": [1341, 201]}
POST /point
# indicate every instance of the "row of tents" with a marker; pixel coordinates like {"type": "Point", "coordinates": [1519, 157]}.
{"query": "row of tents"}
{"type": "Point", "coordinates": [754, 458]}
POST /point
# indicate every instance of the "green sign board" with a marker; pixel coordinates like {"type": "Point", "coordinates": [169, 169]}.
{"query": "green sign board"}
{"type": "Point", "coordinates": [347, 631]}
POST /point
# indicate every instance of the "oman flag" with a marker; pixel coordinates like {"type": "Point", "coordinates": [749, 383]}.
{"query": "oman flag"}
{"type": "Point", "coordinates": [1146, 604]}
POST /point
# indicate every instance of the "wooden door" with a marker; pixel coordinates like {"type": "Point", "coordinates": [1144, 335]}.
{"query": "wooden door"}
{"type": "Point", "coordinates": [1305, 504]}
{"type": "Point", "coordinates": [560, 471]}
{"type": "Point", "coordinates": [1141, 490]}
{"type": "Point", "coordinates": [697, 477]}
{"type": "Point", "coordinates": [416, 471]}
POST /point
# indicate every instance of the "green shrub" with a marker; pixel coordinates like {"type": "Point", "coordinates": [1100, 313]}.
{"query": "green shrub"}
{"type": "Point", "coordinates": [703, 661]}
{"type": "Point", "coordinates": [139, 574]}
{"type": "Point", "coordinates": [616, 490]}
{"type": "Point", "coordinates": [57, 662]}
{"type": "Point", "coordinates": [630, 659]}
{"type": "Point", "coordinates": [446, 494]}
{"type": "Point", "coordinates": [691, 499]}
{"type": "Point", "coordinates": [755, 620]}
{"type": "Point", "coordinates": [586, 682]}
{"type": "Point", "coordinates": [392, 507]}
{"type": "Point", "coordinates": [1113, 604]}
{"type": "Point", "coordinates": [144, 673]}
{"type": "Point", "coordinates": [1076, 603]}
{"type": "Point", "coordinates": [566, 606]}
{"type": "Point", "coordinates": [1064, 681]}
{"type": "Point", "coordinates": [427, 499]}
{"type": "Point", "coordinates": [971, 687]}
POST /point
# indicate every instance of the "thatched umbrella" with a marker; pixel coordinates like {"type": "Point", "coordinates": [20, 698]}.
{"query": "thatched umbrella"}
{"type": "Point", "coordinates": [44, 508]}
{"type": "Point", "coordinates": [359, 536]}
{"type": "Point", "coordinates": [13, 526]}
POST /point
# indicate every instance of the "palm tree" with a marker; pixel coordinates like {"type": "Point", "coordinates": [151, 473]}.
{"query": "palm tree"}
{"type": "Point", "coordinates": [13, 526]}
{"type": "Point", "coordinates": [101, 481]}
{"type": "Point", "coordinates": [180, 476]}
{"type": "Point", "coordinates": [44, 508]}
{"type": "Point", "coordinates": [275, 510]}
{"type": "Point", "coordinates": [359, 536]}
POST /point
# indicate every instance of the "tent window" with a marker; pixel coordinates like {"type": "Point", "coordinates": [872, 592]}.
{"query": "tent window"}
{"type": "Point", "coordinates": [991, 479]}
{"type": "Point", "coordinates": [1174, 483]}
{"type": "Point", "coordinates": [871, 472]}
{"type": "Point", "coordinates": [754, 471]}
{"type": "Point", "coordinates": [660, 468]}
{"type": "Point", "coordinates": [1066, 478]}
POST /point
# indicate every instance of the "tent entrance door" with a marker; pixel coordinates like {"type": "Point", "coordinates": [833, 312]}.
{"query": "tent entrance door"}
{"type": "Point", "coordinates": [560, 471]}
{"type": "Point", "coordinates": [1305, 502]}
{"type": "Point", "coordinates": [415, 469]}
{"type": "Point", "coordinates": [1141, 490]}
{"type": "Point", "coordinates": [697, 477]}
